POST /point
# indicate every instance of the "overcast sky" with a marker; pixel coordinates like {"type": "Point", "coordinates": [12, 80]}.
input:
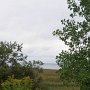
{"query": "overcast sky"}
{"type": "Point", "coordinates": [32, 22]}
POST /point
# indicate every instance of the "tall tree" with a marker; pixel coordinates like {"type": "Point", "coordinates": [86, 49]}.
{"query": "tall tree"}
{"type": "Point", "coordinates": [75, 63]}
{"type": "Point", "coordinates": [10, 56]}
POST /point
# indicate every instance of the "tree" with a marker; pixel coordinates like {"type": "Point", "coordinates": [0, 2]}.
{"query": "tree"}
{"type": "Point", "coordinates": [75, 63]}
{"type": "Point", "coordinates": [14, 62]}
{"type": "Point", "coordinates": [10, 55]}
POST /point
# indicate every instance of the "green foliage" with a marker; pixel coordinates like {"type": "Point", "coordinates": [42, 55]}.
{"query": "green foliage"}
{"type": "Point", "coordinates": [10, 56]}
{"type": "Point", "coordinates": [25, 83]}
{"type": "Point", "coordinates": [14, 62]}
{"type": "Point", "coordinates": [75, 63]}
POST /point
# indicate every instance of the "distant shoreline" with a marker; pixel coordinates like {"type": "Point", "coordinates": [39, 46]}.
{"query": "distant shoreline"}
{"type": "Point", "coordinates": [50, 66]}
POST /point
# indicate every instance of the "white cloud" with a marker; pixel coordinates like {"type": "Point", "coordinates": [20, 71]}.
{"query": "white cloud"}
{"type": "Point", "coordinates": [32, 22]}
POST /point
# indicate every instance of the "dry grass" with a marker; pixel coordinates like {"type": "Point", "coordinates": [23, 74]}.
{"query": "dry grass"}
{"type": "Point", "coordinates": [52, 81]}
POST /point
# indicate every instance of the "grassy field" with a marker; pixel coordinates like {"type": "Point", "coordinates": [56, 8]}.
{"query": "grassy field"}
{"type": "Point", "coordinates": [51, 81]}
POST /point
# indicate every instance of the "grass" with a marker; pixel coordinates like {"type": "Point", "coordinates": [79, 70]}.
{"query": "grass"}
{"type": "Point", "coordinates": [52, 81]}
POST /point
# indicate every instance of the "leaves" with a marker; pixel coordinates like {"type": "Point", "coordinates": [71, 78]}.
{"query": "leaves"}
{"type": "Point", "coordinates": [75, 63]}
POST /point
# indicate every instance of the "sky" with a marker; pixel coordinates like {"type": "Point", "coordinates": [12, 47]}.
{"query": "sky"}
{"type": "Point", "coordinates": [32, 22]}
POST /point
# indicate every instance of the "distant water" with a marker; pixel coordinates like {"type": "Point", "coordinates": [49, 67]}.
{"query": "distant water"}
{"type": "Point", "coordinates": [50, 66]}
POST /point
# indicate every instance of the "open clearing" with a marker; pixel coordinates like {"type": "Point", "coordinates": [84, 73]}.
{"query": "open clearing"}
{"type": "Point", "coordinates": [51, 81]}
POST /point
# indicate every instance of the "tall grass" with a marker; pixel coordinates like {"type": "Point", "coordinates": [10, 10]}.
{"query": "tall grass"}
{"type": "Point", "coordinates": [51, 81]}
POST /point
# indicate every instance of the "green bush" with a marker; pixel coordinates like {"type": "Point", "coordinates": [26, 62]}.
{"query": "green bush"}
{"type": "Point", "coordinates": [17, 84]}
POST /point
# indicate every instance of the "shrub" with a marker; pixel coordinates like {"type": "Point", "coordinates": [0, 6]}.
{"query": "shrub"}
{"type": "Point", "coordinates": [25, 83]}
